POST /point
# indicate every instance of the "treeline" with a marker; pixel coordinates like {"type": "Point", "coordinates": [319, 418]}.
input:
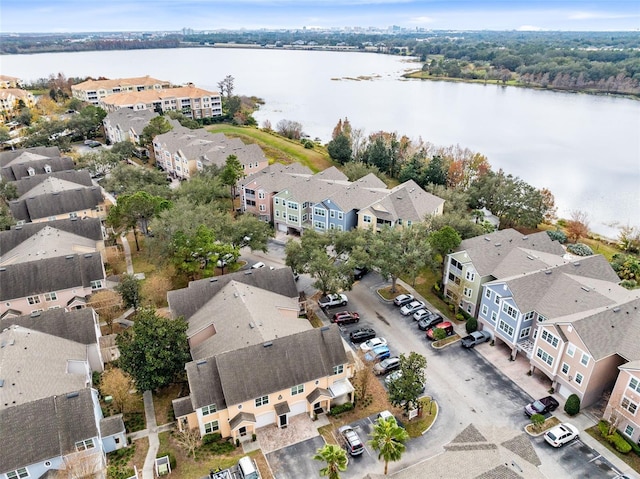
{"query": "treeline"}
{"type": "Point", "coordinates": [39, 44]}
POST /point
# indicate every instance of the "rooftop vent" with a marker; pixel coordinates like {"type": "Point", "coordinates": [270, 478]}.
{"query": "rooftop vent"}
{"type": "Point", "coordinates": [486, 238]}
{"type": "Point", "coordinates": [251, 325]}
{"type": "Point", "coordinates": [530, 257]}
{"type": "Point", "coordinates": [3, 269]}
{"type": "Point", "coordinates": [547, 271]}
{"type": "Point", "coordinates": [498, 244]}
{"type": "Point", "coordinates": [584, 288]}
{"type": "Point", "coordinates": [213, 280]}
{"type": "Point", "coordinates": [69, 256]}
{"type": "Point", "coordinates": [577, 263]}
{"type": "Point", "coordinates": [267, 345]}
{"type": "Point", "coordinates": [73, 395]}
{"type": "Point", "coordinates": [202, 362]}
{"type": "Point", "coordinates": [525, 237]}
{"type": "Point", "coordinates": [88, 255]}
{"type": "Point", "coordinates": [616, 309]}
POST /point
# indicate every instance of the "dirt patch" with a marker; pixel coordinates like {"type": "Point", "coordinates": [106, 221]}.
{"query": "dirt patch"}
{"type": "Point", "coordinates": [387, 294]}
{"type": "Point", "coordinates": [162, 402]}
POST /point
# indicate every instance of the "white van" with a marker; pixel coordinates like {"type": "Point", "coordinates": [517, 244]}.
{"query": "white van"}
{"type": "Point", "coordinates": [247, 468]}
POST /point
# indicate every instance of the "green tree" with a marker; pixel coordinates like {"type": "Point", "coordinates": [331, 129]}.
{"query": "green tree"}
{"type": "Point", "coordinates": [127, 179]}
{"type": "Point", "coordinates": [4, 134]}
{"type": "Point", "coordinates": [231, 173]}
{"type": "Point", "coordinates": [572, 406]}
{"type": "Point", "coordinates": [6, 219]}
{"type": "Point", "coordinates": [8, 191]}
{"type": "Point", "coordinates": [435, 172]}
{"type": "Point", "coordinates": [198, 252]}
{"type": "Point", "coordinates": [88, 121]}
{"type": "Point", "coordinates": [388, 439]}
{"type": "Point", "coordinates": [123, 150]}
{"type": "Point", "coordinates": [339, 149]}
{"type": "Point", "coordinates": [335, 458]}
{"type": "Point", "coordinates": [98, 163]}
{"type": "Point", "coordinates": [445, 240]}
{"type": "Point", "coordinates": [354, 170]}
{"type": "Point", "coordinates": [408, 387]}
{"type": "Point", "coordinates": [154, 351]}
{"type": "Point", "coordinates": [156, 126]}
{"type": "Point", "coordinates": [537, 420]}
{"type": "Point", "coordinates": [129, 289]}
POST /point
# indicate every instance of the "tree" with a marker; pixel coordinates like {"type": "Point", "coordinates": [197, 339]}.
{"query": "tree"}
{"type": "Point", "coordinates": [6, 219]}
{"type": "Point", "coordinates": [157, 126]}
{"type": "Point", "coordinates": [98, 163]}
{"type": "Point", "coordinates": [154, 351]}
{"type": "Point", "coordinates": [335, 458]}
{"type": "Point", "coordinates": [435, 172]}
{"type": "Point", "coordinates": [4, 134]}
{"type": "Point", "coordinates": [79, 464]}
{"type": "Point", "coordinates": [340, 149]}
{"type": "Point", "coordinates": [445, 240]}
{"type": "Point", "coordinates": [572, 406]}
{"type": "Point", "coordinates": [409, 385]}
{"type": "Point", "coordinates": [127, 179]}
{"type": "Point", "coordinates": [117, 384]}
{"type": "Point", "coordinates": [8, 191]}
{"type": "Point", "coordinates": [289, 129]}
{"type": "Point", "coordinates": [226, 86]}
{"type": "Point", "coordinates": [578, 226]}
{"type": "Point", "coordinates": [198, 252]}
{"type": "Point", "coordinates": [108, 304]}
{"type": "Point", "coordinates": [354, 170]}
{"type": "Point", "coordinates": [129, 289]}
{"type": "Point", "coordinates": [88, 121]}
{"type": "Point", "coordinates": [231, 173]}
{"type": "Point", "coordinates": [189, 440]}
{"type": "Point", "coordinates": [537, 420]}
{"type": "Point", "coordinates": [388, 440]}
{"type": "Point", "coordinates": [629, 238]}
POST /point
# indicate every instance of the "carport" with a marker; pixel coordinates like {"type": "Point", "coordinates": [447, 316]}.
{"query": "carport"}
{"type": "Point", "coordinates": [341, 391]}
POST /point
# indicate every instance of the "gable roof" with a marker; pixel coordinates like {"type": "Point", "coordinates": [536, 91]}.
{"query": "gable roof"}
{"type": "Point", "coordinates": [408, 202]}
{"type": "Point", "coordinates": [8, 156]}
{"type": "Point", "coordinates": [244, 374]}
{"type": "Point", "coordinates": [52, 204]}
{"type": "Point", "coordinates": [46, 428]}
{"type": "Point", "coordinates": [19, 167]}
{"type": "Point", "coordinates": [126, 119]}
{"type": "Point", "coordinates": [78, 325]}
{"type": "Point", "coordinates": [243, 315]}
{"type": "Point", "coordinates": [275, 177]}
{"type": "Point", "coordinates": [50, 274]}
{"type": "Point", "coordinates": [86, 227]}
{"type": "Point", "coordinates": [488, 252]}
{"type": "Point", "coordinates": [108, 84]}
{"type": "Point", "coordinates": [50, 182]}
{"type": "Point", "coordinates": [36, 365]}
{"type": "Point", "coordinates": [186, 301]}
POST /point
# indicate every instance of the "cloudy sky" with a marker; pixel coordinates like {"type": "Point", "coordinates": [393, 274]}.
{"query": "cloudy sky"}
{"type": "Point", "coordinates": [154, 15]}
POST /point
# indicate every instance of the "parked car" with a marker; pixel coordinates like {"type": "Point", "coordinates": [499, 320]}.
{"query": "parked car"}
{"type": "Point", "coordinates": [378, 354]}
{"type": "Point", "coordinates": [258, 265]}
{"type": "Point", "coordinates": [403, 299]}
{"type": "Point", "coordinates": [225, 260]}
{"type": "Point", "coordinates": [421, 313]}
{"type": "Point", "coordinates": [92, 143]}
{"type": "Point", "coordinates": [359, 272]}
{"type": "Point", "coordinates": [373, 343]}
{"type": "Point", "coordinates": [562, 434]}
{"type": "Point", "coordinates": [474, 338]}
{"type": "Point", "coordinates": [392, 377]}
{"type": "Point", "coordinates": [447, 326]}
{"type": "Point", "coordinates": [411, 307]}
{"type": "Point", "coordinates": [430, 321]}
{"type": "Point", "coordinates": [352, 441]}
{"type": "Point", "coordinates": [386, 366]}
{"type": "Point", "coordinates": [386, 415]}
{"type": "Point", "coordinates": [541, 406]}
{"type": "Point", "coordinates": [363, 334]}
{"type": "Point", "coordinates": [345, 317]}
{"type": "Point", "coordinates": [332, 300]}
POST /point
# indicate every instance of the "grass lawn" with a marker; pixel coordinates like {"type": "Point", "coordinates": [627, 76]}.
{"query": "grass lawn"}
{"type": "Point", "coordinates": [419, 424]}
{"type": "Point", "coordinates": [387, 294]}
{"type": "Point", "coordinates": [423, 286]}
{"type": "Point", "coordinates": [278, 148]}
{"type": "Point", "coordinates": [162, 402]}
{"type": "Point", "coordinates": [632, 459]}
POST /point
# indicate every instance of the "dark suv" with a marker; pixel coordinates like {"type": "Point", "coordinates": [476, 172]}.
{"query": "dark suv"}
{"type": "Point", "coordinates": [430, 321]}
{"type": "Point", "coordinates": [359, 272]}
{"type": "Point", "coordinates": [361, 335]}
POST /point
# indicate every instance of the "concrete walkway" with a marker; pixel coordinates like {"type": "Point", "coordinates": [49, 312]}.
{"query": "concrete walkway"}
{"type": "Point", "coordinates": [152, 430]}
{"type": "Point", "coordinates": [127, 253]}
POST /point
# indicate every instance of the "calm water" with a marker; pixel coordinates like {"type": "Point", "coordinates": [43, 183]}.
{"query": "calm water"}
{"type": "Point", "coordinates": [585, 149]}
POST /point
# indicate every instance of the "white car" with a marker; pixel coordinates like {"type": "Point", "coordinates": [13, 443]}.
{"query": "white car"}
{"type": "Point", "coordinates": [373, 343]}
{"type": "Point", "coordinates": [562, 434]}
{"type": "Point", "coordinates": [258, 265]}
{"type": "Point", "coordinates": [411, 307]}
{"type": "Point", "coordinates": [332, 300]}
{"type": "Point", "coordinates": [421, 314]}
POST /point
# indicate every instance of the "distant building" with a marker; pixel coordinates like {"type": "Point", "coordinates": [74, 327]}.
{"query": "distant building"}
{"type": "Point", "coordinates": [11, 100]}
{"type": "Point", "coordinates": [10, 82]}
{"type": "Point", "coordinates": [92, 91]}
{"type": "Point", "coordinates": [126, 125]}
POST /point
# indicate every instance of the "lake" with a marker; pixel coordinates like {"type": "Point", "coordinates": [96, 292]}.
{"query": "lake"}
{"type": "Point", "coordinates": [584, 148]}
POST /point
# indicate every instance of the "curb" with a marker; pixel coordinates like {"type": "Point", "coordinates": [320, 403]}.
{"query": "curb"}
{"type": "Point", "coordinates": [434, 419]}
{"type": "Point", "coordinates": [538, 434]}
{"type": "Point", "coordinates": [438, 347]}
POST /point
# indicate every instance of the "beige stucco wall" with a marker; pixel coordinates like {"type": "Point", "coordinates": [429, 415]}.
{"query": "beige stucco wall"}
{"type": "Point", "coordinates": [621, 390]}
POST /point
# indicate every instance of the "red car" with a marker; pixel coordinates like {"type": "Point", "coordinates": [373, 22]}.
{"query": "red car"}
{"type": "Point", "coordinates": [447, 326]}
{"type": "Point", "coordinates": [345, 317]}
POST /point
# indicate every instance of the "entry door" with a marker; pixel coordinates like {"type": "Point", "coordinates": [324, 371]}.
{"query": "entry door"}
{"type": "Point", "coordinates": [282, 420]}
{"type": "Point", "coordinates": [242, 431]}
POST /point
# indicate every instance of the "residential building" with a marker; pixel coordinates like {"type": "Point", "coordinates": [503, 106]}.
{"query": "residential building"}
{"type": "Point", "coordinates": [23, 162]}
{"type": "Point", "coordinates": [624, 401]}
{"type": "Point", "coordinates": [402, 206]}
{"type": "Point", "coordinates": [56, 282]}
{"type": "Point", "coordinates": [7, 81]}
{"type": "Point", "coordinates": [237, 392]}
{"type": "Point", "coordinates": [92, 91]}
{"type": "Point", "coordinates": [189, 100]}
{"type": "Point", "coordinates": [494, 256]}
{"type": "Point", "coordinates": [28, 184]}
{"type": "Point", "coordinates": [126, 125]}
{"type": "Point", "coordinates": [12, 100]}
{"type": "Point", "coordinates": [258, 189]}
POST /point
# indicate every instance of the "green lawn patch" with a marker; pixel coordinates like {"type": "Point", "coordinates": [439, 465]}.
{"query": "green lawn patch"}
{"type": "Point", "coordinates": [387, 294]}
{"type": "Point", "coordinates": [631, 459]}
{"type": "Point", "coordinates": [134, 421]}
{"type": "Point", "coordinates": [419, 424]}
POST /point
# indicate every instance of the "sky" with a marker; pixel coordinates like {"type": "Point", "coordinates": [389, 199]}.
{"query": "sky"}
{"type": "Point", "coordinates": [40, 16]}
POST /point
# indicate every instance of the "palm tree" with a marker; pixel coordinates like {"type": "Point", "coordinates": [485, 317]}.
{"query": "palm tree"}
{"type": "Point", "coordinates": [336, 459]}
{"type": "Point", "coordinates": [388, 439]}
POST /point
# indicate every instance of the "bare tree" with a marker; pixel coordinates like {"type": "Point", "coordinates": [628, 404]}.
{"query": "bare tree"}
{"type": "Point", "coordinates": [364, 376]}
{"type": "Point", "coordinates": [82, 464]}
{"type": "Point", "coordinates": [578, 226]}
{"type": "Point", "coordinates": [189, 440]}
{"type": "Point", "coordinates": [108, 305]}
{"type": "Point", "coordinates": [613, 409]}
{"type": "Point", "coordinates": [226, 86]}
{"type": "Point", "coordinates": [266, 125]}
{"type": "Point", "coordinates": [289, 129]}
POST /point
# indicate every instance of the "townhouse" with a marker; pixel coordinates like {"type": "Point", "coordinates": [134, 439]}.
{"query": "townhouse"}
{"type": "Point", "coordinates": [17, 164]}
{"type": "Point", "coordinates": [234, 393]}
{"type": "Point", "coordinates": [126, 125]}
{"type": "Point", "coordinates": [189, 100]}
{"type": "Point", "coordinates": [624, 401]}
{"type": "Point", "coordinates": [494, 256]}
{"type": "Point", "coordinates": [7, 81]}
{"type": "Point", "coordinates": [92, 91]}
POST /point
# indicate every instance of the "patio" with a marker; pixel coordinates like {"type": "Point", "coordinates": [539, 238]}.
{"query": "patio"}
{"type": "Point", "coordinates": [272, 438]}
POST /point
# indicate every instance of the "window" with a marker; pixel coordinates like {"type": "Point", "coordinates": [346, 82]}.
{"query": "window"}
{"type": "Point", "coordinates": [549, 338]}
{"type": "Point", "coordinates": [261, 195]}
{"type": "Point", "coordinates": [293, 218]}
{"type": "Point", "coordinates": [338, 369]}
{"type": "Point", "coordinates": [318, 225]}
{"type": "Point", "coordinates": [408, 222]}
{"type": "Point", "coordinates": [571, 350]}
{"type": "Point", "coordinates": [277, 214]}
{"type": "Point", "coordinates": [494, 316]}
{"type": "Point", "coordinates": [525, 333]}
{"type": "Point", "coordinates": [485, 310]}
{"type": "Point", "coordinates": [510, 310]}
{"type": "Point", "coordinates": [529, 316]}
{"type": "Point", "coordinates": [262, 401]}
{"type": "Point", "coordinates": [210, 409]}
{"type": "Point", "coordinates": [634, 384]}
{"type": "Point", "coordinates": [584, 360]}
{"type": "Point", "coordinates": [50, 296]}
{"type": "Point", "coordinates": [340, 215]}
{"type": "Point", "coordinates": [508, 330]}
{"type": "Point", "coordinates": [470, 275]}
{"type": "Point", "coordinates": [468, 292]}
{"type": "Point", "coordinates": [629, 405]}
{"type": "Point", "coordinates": [97, 284]}
{"type": "Point", "coordinates": [319, 212]}
{"type": "Point", "coordinates": [366, 219]}
{"type": "Point", "coordinates": [18, 474]}
{"type": "Point", "coordinates": [33, 299]}
{"type": "Point", "coordinates": [262, 208]}
{"type": "Point", "coordinates": [456, 264]}
{"type": "Point", "coordinates": [304, 217]}
{"type": "Point", "coordinates": [487, 293]}
{"type": "Point", "coordinates": [545, 357]}
{"type": "Point", "coordinates": [497, 300]}
{"type": "Point", "coordinates": [277, 201]}
{"type": "Point", "coordinates": [299, 389]}
{"type": "Point", "coordinates": [210, 427]}
{"type": "Point", "coordinates": [565, 369]}
{"type": "Point", "coordinates": [579, 378]}
{"type": "Point", "coordinates": [73, 215]}
{"type": "Point", "coordinates": [292, 205]}
{"type": "Point", "coordinates": [84, 445]}
{"type": "Point", "coordinates": [332, 214]}
{"type": "Point", "coordinates": [541, 319]}
{"type": "Point", "coordinates": [250, 192]}
{"type": "Point", "coordinates": [628, 430]}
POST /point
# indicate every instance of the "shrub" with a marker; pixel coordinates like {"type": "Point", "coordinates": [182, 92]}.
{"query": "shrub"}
{"type": "Point", "coordinates": [439, 333]}
{"type": "Point", "coordinates": [603, 427]}
{"type": "Point", "coordinates": [211, 438]}
{"type": "Point", "coordinates": [619, 442]}
{"type": "Point", "coordinates": [580, 249]}
{"type": "Point", "coordinates": [537, 420]}
{"type": "Point", "coordinates": [572, 406]}
{"type": "Point", "coordinates": [557, 235]}
{"type": "Point", "coordinates": [472, 325]}
{"type": "Point", "coordinates": [341, 408]}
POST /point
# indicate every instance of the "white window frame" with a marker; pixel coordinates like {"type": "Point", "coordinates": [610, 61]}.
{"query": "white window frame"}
{"type": "Point", "coordinates": [470, 275]}
{"type": "Point", "coordinates": [579, 378]}
{"type": "Point", "coordinates": [485, 310]}
{"type": "Point", "coordinates": [84, 445]}
{"type": "Point", "coordinates": [211, 427]}
{"type": "Point", "coordinates": [494, 316]}
{"type": "Point", "coordinates": [33, 299]}
{"type": "Point", "coordinates": [340, 215]}
{"type": "Point", "coordinates": [262, 208]}
{"type": "Point", "coordinates": [299, 389]}
{"type": "Point", "coordinates": [210, 409]}
{"type": "Point", "coordinates": [339, 369]}
{"type": "Point", "coordinates": [468, 292]}
{"type": "Point", "coordinates": [571, 350]}
{"type": "Point", "coordinates": [545, 357]}
{"type": "Point", "coordinates": [97, 284]}
{"type": "Point", "coordinates": [487, 293]}
{"type": "Point", "coordinates": [525, 332]}
{"type": "Point", "coordinates": [549, 338]}
{"type": "Point", "coordinates": [262, 401]}
{"type": "Point", "coordinates": [629, 405]}
{"type": "Point", "coordinates": [261, 195]}
{"type": "Point", "coordinates": [634, 384]}
{"type": "Point", "coordinates": [366, 219]}
{"type": "Point", "coordinates": [565, 366]}
{"type": "Point", "coordinates": [53, 296]}
{"type": "Point", "coordinates": [584, 359]}
{"type": "Point", "coordinates": [628, 430]}
{"type": "Point", "coordinates": [509, 310]}
{"type": "Point", "coordinates": [20, 473]}
{"type": "Point", "coordinates": [506, 328]}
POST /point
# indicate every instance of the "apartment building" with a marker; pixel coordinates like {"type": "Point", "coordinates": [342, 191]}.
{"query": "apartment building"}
{"type": "Point", "coordinates": [92, 91]}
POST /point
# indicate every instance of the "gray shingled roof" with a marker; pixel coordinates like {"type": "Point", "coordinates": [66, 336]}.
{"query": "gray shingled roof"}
{"type": "Point", "coordinates": [51, 274]}
{"type": "Point", "coordinates": [9, 156]}
{"type": "Point", "coordinates": [126, 119]}
{"type": "Point", "coordinates": [277, 176]}
{"type": "Point", "coordinates": [87, 228]}
{"type": "Point", "coordinates": [79, 177]}
{"type": "Point", "coordinates": [407, 201]}
{"type": "Point", "coordinates": [17, 170]}
{"type": "Point", "coordinates": [240, 418]}
{"type": "Point", "coordinates": [45, 429]}
{"type": "Point", "coordinates": [112, 425]}
{"type": "Point", "coordinates": [182, 406]}
{"type": "Point", "coordinates": [52, 204]}
{"type": "Point", "coordinates": [77, 325]}
{"type": "Point", "coordinates": [185, 302]}
{"type": "Point", "coordinates": [204, 383]}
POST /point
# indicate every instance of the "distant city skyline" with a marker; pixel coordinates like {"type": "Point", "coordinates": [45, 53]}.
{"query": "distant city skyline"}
{"type": "Point", "coordinates": [62, 16]}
